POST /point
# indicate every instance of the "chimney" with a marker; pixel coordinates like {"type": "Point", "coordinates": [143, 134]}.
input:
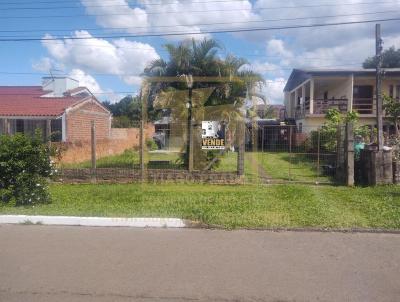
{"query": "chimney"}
{"type": "Point", "coordinates": [57, 86]}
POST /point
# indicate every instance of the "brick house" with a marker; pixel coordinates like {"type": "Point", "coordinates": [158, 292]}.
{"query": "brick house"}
{"type": "Point", "coordinates": [60, 108]}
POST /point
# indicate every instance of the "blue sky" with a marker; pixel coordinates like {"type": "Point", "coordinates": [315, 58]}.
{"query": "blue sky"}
{"type": "Point", "coordinates": [112, 66]}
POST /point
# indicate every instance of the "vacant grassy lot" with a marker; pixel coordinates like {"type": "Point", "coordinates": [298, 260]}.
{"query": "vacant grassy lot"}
{"type": "Point", "coordinates": [294, 167]}
{"type": "Point", "coordinates": [130, 159]}
{"type": "Point", "coordinates": [230, 206]}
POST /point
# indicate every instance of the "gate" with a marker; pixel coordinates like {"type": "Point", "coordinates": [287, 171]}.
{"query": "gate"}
{"type": "Point", "coordinates": [284, 153]}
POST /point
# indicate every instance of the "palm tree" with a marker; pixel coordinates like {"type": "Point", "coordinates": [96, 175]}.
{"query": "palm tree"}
{"type": "Point", "coordinates": [200, 58]}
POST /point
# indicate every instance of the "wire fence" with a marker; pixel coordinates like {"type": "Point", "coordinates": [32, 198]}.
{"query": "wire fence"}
{"type": "Point", "coordinates": [159, 151]}
{"type": "Point", "coordinates": [285, 153]}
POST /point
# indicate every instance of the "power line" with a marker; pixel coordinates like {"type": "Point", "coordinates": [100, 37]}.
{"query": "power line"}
{"type": "Point", "coordinates": [80, 5]}
{"type": "Point", "coordinates": [205, 24]}
{"type": "Point", "coordinates": [112, 5]}
{"type": "Point", "coordinates": [197, 11]}
{"type": "Point", "coordinates": [128, 74]}
{"type": "Point", "coordinates": [142, 35]}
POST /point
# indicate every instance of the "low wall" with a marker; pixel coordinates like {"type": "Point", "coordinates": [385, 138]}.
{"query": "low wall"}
{"type": "Point", "coordinates": [152, 175]}
{"type": "Point", "coordinates": [120, 140]}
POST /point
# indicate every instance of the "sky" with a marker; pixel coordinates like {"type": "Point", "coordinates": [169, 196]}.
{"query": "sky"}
{"type": "Point", "coordinates": [111, 67]}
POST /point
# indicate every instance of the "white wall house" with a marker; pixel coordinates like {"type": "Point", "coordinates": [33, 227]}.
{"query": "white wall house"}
{"type": "Point", "coordinates": [309, 94]}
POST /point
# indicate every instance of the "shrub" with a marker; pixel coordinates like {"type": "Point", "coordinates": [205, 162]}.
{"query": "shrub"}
{"type": "Point", "coordinates": [24, 166]}
{"type": "Point", "coordinates": [151, 145]}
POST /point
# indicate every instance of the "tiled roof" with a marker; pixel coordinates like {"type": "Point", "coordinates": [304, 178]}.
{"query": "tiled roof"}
{"type": "Point", "coordinates": [28, 101]}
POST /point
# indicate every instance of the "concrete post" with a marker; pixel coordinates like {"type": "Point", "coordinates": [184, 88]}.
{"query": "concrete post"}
{"type": "Point", "coordinates": [144, 99]}
{"type": "Point", "coordinates": [7, 128]}
{"type": "Point", "coordinates": [312, 96]}
{"type": "Point", "coordinates": [142, 150]}
{"type": "Point", "coordinates": [93, 150]}
{"type": "Point", "coordinates": [48, 130]}
{"type": "Point", "coordinates": [349, 153]}
{"type": "Point", "coordinates": [241, 145]}
{"type": "Point", "coordinates": [303, 99]}
{"type": "Point", "coordinates": [351, 94]}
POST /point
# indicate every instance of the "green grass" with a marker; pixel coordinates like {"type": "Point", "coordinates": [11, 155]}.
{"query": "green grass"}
{"type": "Point", "coordinates": [130, 159]}
{"type": "Point", "coordinates": [230, 206]}
{"type": "Point", "coordinates": [294, 167]}
{"type": "Point", "coordinates": [228, 162]}
{"type": "Point", "coordinates": [124, 160]}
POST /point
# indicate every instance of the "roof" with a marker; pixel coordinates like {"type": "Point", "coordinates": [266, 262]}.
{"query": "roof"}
{"type": "Point", "coordinates": [28, 101]}
{"type": "Point", "coordinates": [298, 76]}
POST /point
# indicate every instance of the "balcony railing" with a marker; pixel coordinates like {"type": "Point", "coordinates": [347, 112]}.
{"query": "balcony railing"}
{"type": "Point", "coordinates": [363, 105]}
{"type": "Point", "coordinates": [321, 106]}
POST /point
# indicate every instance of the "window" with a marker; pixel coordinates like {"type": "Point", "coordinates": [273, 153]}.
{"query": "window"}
{"type": "Point", "coordinates": [325, 95]}
{"type": "Point", "coordinates": [300, 127]}
{"type": "Point", "coordinates": [56, 130]}
{"type": "Point", "coordinates": [364, 92]}
{"type": "Point", "coordinates": [398, 92]}
{"type": "Point", "coordinates": [391, 91]}
{"type": "Point", "coordinates": [19, 126]}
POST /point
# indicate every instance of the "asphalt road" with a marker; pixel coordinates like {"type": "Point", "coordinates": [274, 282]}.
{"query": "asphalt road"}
{"type": "Point", "coordinates": [40, 263]}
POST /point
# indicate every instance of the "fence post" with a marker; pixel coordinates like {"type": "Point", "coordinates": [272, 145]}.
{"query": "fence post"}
{"type": "Point", "coordinates": [339, 156]}
{"type": "Point", "coordinates": [349, 155]}
{"type": "Point", "coordinates": [48, 131]}
{"type": "Point", "coordinates": [241, 145]}
{"type": "Point", "coordinates": [142, 150]}
{"type": "Point", "coordinates": [7, 127]}
{"type": "Point", "coordinates": [191, 153]}
{"type": "Point", "coordinates": [319, 155]}
{"type": "Point", "coordinates": [93, 150]}
{"type": "Point", "coordinates": [144, 97]}
{"type": "Point", "coordinates": [290, 151]}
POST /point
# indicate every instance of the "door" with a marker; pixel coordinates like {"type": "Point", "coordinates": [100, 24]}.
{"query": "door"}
{"type": "Point", "coordinates": [363, 99]}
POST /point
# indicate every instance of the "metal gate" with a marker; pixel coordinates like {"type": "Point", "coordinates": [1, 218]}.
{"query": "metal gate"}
{"type": "Point", "coordinates": [285, 153]}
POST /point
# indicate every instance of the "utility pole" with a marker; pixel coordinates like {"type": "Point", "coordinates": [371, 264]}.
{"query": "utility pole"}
{"type": "Point", "coordinates": [379, 119]}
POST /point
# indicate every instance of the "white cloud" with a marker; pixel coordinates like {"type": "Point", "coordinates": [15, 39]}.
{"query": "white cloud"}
{"type": "Point", "coordinates": [46, 64]}
{"type": "Point", "coordinates": [276, 47]}
{"type": "Point", "coordinates": [273, 89]}
{"type": "Point", "coordinates": [123, 58]}
{"type": "Point", "coordinates": [158, 15]}
{"type": "Point", "coordinates": [116, 14]}
{"type": "Point", "coordinates": [86, 80]}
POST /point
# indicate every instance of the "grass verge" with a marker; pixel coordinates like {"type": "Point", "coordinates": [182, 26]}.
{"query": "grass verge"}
{"type": "Point", "coordinates": [230, 206]}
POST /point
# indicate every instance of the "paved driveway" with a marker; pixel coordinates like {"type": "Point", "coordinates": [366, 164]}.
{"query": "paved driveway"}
{"type": "Point", "coordinates": [39, 263]}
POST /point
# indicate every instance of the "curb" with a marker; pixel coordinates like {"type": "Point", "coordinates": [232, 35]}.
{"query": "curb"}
{"type": "Point", "coordinates": [95, 221]}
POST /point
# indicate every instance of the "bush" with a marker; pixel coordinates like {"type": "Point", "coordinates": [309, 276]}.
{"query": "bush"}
{"type": "Point", "coordinates": [327, 139]}
{"type": "Point", "coordinates": [151, 145]}
{"type": "Point", "coordinates": [24, 166]}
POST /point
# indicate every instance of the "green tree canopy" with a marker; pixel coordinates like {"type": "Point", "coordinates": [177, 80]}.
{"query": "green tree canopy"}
{"type": "Point", "coordinates": [390, 59]}
{"type": "Point", "coordinates": [201, 58]}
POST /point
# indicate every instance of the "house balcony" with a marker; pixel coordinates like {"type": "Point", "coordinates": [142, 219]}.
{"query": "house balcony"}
{"type": "Point", "coordinates": [364, 106]}
{"type": "Point", "coordinates": [321, 106]}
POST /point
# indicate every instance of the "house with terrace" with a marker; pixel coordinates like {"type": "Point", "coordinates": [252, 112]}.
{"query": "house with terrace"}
{"type": "Point", "coordinates": [309, 94]}
{"type": "Point", "coordinates": [60, 108]}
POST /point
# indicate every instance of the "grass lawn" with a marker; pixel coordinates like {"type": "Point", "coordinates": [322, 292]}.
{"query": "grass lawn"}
{"type": "Point", "coordinates": [130, 159]}
{"type": "Point", "coordinates": [302, 167]}
{"type": "Point", "coordinates": [230, 206]}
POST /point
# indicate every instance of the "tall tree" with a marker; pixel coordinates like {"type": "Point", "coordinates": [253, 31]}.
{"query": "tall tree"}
{"type": "Point", "coordinates": [213, 99]}
{"type": "Point", "coordinates": [390, 59]}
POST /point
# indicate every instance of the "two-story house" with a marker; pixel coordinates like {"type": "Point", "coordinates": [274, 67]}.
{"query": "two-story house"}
{"type": "Point", "coordinates": [309, 94]}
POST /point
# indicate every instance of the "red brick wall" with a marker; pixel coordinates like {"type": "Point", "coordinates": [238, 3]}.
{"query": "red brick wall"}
{"type": "Point", "coordinates": [78, 122]}
{"type": "Point", "coordinates": [120, 140]}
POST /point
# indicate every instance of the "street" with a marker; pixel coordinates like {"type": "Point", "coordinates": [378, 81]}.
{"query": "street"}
{"type": "Point", "coordinates": [42, 263]}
